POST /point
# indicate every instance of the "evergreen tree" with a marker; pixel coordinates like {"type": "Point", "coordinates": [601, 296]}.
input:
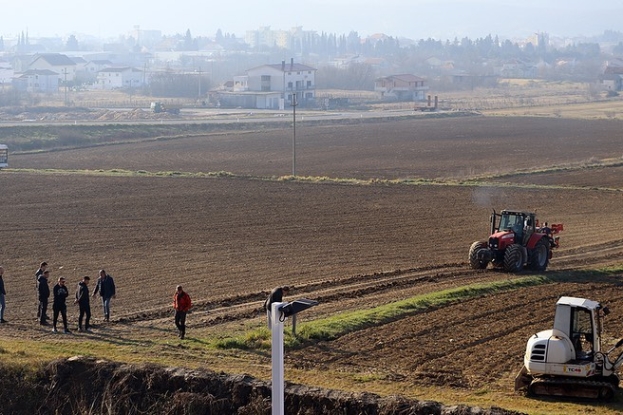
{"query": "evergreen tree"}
{"type": "Point", "coordinates": [72, 43]}
{"type": "Point", "coordinates": [188, 41]}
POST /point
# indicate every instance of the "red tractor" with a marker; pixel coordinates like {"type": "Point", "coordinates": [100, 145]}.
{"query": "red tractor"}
{"type": "Point", "coordinates": [516, 241]}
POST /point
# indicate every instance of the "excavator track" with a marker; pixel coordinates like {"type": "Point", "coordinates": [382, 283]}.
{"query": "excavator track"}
{"type": "Point", "coordinates": [572, 388]}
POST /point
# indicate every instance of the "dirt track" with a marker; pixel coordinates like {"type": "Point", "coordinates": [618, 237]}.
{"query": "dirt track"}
{"type": "Point", "coordinates": [229, 241]}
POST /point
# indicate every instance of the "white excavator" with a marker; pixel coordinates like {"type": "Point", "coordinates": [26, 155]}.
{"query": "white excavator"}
{"type": "Point", "coordinates": [568, 360]}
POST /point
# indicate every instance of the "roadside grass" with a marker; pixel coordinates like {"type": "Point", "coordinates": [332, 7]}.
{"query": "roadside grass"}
{"type": "Point", "coordinates": [558, 107]}
{"type": "Point", "coordinates": [43, 138]}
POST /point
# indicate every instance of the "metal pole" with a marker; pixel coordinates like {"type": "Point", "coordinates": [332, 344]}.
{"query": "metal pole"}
{"type": "Point", "coordinates": [294, 135]}
{"type": "Point", "coordinates": [294, 325]}
{"type": "Point", "coordinates": [277, 360]}
{"type": "Point", "coordinates": [65, 72]}
{"type": "Point", "coordinates": [199, 94]}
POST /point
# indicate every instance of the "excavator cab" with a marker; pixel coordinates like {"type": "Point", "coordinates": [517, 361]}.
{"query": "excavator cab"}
{"type": "Point", "coordinates": [582, 332]}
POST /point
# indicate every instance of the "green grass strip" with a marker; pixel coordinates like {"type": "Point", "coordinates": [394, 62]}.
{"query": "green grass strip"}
{"type": "Point", "coordinates": [331, 328]}
{"type": "Point", "coordinates": [338, 325]}
{"type": "Point", "coordinates": [303, 179]}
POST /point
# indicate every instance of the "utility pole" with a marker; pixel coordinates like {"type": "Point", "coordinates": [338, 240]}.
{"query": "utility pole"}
{"type": "Point", "coordinates": [294, 103]}
{"type": "Point", "coordinates": [283, 95]}
{"type": "Point", "coordinates": [65, 73]}
{"type": "Point", "coordinates": [199, 94]}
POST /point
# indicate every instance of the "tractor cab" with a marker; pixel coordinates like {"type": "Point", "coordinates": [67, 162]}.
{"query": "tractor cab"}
{"type": "Point", "coordinates": [522, 224]}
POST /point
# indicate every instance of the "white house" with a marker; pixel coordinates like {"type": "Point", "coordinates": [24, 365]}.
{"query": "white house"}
{"type": "Point", "coordinates": [79, 61]}
{"type": "Point", "coordinates": [56, 62]}
{"type": "Point", "coordinates": [273, 86]}
{"type": "Point", "coordinates": [612, 78]}
{"type": "Point", "coordinates": [96, 65]}
{"type": "Point", "coordinates": [115, 78]}
{"type": "Point", "coordinates": [401, 87]}
{"type": "Point", "coordinates": [37, 80]}
{"type": "Point", "coordinates": [88, 71]}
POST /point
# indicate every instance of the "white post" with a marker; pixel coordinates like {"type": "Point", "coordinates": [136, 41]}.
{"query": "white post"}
{"type": "Point", "coordinates": [277, 360]}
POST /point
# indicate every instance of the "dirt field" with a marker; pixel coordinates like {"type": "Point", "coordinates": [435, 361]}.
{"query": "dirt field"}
{"type": "Point", "coordinates": [422, 148]}
{"type": "Point", "coordinates": [230, 240]}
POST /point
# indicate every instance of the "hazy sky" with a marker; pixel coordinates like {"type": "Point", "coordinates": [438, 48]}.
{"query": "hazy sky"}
{"type": "Point", "coordinates": [416, 19]}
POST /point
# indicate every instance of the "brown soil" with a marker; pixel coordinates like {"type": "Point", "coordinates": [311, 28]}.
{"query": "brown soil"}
{"type": "Point", "coordinates": [230, 240]}
{"type": "Point", "coordinates": [458, 148]}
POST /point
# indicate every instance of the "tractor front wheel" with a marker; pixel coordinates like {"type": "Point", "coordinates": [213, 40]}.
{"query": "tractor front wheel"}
{"type": "Point", "coordinates": [540, 255]}
{"type": "Point", "coordinates": [514, 258]}
{"type": "Point", "coordinates": [474, 262]}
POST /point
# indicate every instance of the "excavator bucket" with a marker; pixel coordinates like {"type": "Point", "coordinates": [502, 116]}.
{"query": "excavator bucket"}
{"type": "Point", "coordinates": [522, 381]}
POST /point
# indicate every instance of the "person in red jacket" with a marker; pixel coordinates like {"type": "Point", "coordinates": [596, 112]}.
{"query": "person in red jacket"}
{"type": "Point", "coordinates": [181, 304]}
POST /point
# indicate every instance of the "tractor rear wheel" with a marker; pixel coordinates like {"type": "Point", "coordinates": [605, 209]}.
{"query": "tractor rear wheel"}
{"type": "Point", "coordinates": [474, 262]}
{"type": "Point", "coordinates": [540, 255]}
{"type": "Point", "coordinates": [514, 258]}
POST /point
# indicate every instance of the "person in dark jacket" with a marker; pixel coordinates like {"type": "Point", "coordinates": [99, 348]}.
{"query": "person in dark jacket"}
{"type": "Point", "coordinates": [181, 304]}
{"type": "Point", "coordinates": [42, 267]}
{"type": "Point", "coordinates": [59, 305]}
{"type": "Point", "coordinates": [276, 296]}
{"type": "Point", "coordinates": [82, 299]}
{"type": "Point", "coordinates": [106, 288]}
{"type": "Point", "coordinates": [2, 295]}
{"type": "Point", "coordinates": [43, 292]}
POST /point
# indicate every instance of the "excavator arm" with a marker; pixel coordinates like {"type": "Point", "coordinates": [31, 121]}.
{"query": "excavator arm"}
{"type": "Point", "coordinates": [608, 365]}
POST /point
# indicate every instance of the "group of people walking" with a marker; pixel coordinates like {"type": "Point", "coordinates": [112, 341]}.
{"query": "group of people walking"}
{"type": "Point", "coordinates": [105, 286]}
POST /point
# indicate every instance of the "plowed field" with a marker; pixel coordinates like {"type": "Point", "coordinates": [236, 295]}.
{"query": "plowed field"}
{"type": "Point", "coordinates": [230, 239]}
